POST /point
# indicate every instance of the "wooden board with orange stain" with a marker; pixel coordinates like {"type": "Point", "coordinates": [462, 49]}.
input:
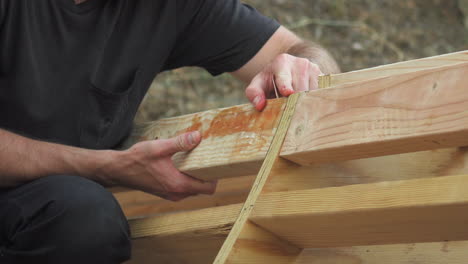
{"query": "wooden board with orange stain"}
{"type": "Point", "coordinates": [234, 139]}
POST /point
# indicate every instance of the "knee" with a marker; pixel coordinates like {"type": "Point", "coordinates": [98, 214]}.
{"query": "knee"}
{"type": "Point", "coordinates": [88, 218]}
{"type": "Point", "coordinates": [83, 199]}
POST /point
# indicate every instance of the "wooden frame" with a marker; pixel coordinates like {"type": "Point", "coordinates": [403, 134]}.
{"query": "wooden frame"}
{"type": "Point", "coordinates": [372, 168]}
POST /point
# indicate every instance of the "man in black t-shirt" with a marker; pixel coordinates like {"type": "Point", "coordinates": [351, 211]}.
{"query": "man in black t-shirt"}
{"type": "Point", "coordinates": [72, 75]}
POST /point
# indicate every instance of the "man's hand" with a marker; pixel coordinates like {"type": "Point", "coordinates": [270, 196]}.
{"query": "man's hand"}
{"type": "Point", "coordinates": [148, 166]}
{"type": "Point", "coordinates": [290, 74]}
{"type": "Point", "coordinates": [293, 64]}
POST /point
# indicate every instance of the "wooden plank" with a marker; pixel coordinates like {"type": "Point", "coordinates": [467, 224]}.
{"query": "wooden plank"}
{"type": "Point", "coordinates": [394, 69]}
{"type": "Point", "coordinates": [424, 164]}
{"type": "Point", "coordinates": [137, 204]}
{"type": "Point", "coordinates": [420, 210]}
{"type": "Point", "coordinates": [453, 252]}
{"type": "Point", "coordinates": [185, 222]}
{"type": "Point", "coordinates": [228, 251]}
{"type": "Point", "coordinates": [235, 139]}
{"type": "Point", "coordinates": [185, 237]}
{"type": "Point", "coordinates": [256, 245]}
{"type": "Point", "coordinates": [241, 130]}
{"type": "Point", "coordinates": [415, 111]}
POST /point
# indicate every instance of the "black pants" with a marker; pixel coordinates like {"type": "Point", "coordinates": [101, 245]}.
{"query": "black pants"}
{"type": "Point", "coordinates": [62, 219]}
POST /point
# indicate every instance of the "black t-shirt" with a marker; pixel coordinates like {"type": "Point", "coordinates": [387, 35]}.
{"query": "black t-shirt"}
{"type": "Point", "coordinates": [76, 74]}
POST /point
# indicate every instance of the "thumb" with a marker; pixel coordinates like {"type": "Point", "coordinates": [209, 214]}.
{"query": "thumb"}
{"type": "Point", "coordinates": [255, 92]}
{"type": "Point", "coordinates": [184, 142]}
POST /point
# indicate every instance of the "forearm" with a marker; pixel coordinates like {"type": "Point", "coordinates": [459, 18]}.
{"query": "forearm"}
{"type": "Point", "coordinates": [284, 41]}
{"type": "Point", "coordinates": [316, 54]}
{"type": "Point", "coordinates": [23, 159]}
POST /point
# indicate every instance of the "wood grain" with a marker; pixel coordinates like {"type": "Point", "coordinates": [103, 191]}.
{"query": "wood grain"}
{"type": "Point", "coordinates": [394, 69]}
{"type": "Point", "coordinates": [137, 204]}
{"type": "Point", "coordinates": [420, 210]}
{"type": "Point", "coordinates": [184, 237]}
{"type": "Point", "coordinates": [289, 176]}
{"type": "Point", "coordinates": [414, 111]}
{"type": "Point", "coordinates": [450, 252]}
{"type": "Point", "coordinates": [256, 245]}
{"type": "Point", "coordinates": [235, 139]}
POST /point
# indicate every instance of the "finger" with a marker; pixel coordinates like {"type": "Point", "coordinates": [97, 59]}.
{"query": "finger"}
{"type": "Point", "coordinates": [175, 197]}
{"type": "Point", "coordinates": [282, 71]}
{"type": "Point", "coordinates": [184, 142]}
{"type": "Point", "coordinates": [255, 92]}
{"type": "Point", "coordinates": [198, 186]}
{"type": "Point", "coordinates": [301, 75]}
{"type": "Point", "coordinates": [172, 196]}
{"type": "Point", "coordinates": [314, 73]}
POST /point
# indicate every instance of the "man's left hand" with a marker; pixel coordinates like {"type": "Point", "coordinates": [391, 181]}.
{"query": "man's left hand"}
{"type": "Point", "coordinates": [290, 74]}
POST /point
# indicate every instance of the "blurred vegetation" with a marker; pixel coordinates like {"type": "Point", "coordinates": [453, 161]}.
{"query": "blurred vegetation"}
{"type": "Point", "coordinates": [359, 34]}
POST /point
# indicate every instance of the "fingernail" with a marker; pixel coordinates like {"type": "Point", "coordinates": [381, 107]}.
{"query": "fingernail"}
{"type": "Point", "coordinates": [193, 137]}
{"type": "Point", "coordinates": [256, 100]}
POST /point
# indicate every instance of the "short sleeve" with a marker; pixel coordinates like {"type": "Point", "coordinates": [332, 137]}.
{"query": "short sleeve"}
{"type": "Point", "coordinates": [218, 35]}
{"type": "Point", "coordinates": [2, 11]}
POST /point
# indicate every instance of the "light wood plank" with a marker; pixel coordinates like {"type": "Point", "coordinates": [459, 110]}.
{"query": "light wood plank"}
{"type": "Point", "coordinates": [420, 210]}
{"type": "Point", "coordinates": [137, 204]}
{"type": "Point", "coordinates": [256, 245]}
{"type": "Point", "coordinates": [191, 222]}
{"type": "Point", "coordinates": [289, 176]}
{"type": "Point", "coordinates": [394, 69]}
{"type": "Point", "coordinates": [235, 139]}
{"type": "Point", "coordinates": [185, 237]}
{"type": "Point", "coordinates": [450, 252]}
{"type": "Point", "coordinates": [415, 111]}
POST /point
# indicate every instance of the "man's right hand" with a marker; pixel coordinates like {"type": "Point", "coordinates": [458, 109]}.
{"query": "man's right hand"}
{"type": "Point", "coordinates": [148, 166]}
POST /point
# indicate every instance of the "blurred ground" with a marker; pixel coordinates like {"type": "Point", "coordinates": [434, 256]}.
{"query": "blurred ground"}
{"type": "Point", "coordinates": [359, 34]}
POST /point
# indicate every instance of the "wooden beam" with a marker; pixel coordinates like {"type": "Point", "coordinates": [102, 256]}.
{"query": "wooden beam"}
{"type": "Point", "coordinates": [256, 245]}
{"type": "Point", "coordinates": [137, 204]}
{"type": "Point", "coordinates": [421, 210]}
{"type": "Point", "coordinates": [289, 176]}
{"type": "Point", "coordinates": [453, 252]}
{"type": "Point", "coordinates": [235, 139]}
{"type": "Point", "coordinates": [394, 69]}
{"type": "Point", "coordinates": [192, 222]}
{"type": "Point", "coordinates": [184, 237]}
{"type": "Point", "coordinates": [245, 134]}
{"type": "Point", "coordinates": [409, 112]}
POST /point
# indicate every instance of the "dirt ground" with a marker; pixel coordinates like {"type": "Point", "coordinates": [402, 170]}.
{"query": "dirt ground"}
{"type": "Point", "coordinates": [359, 34]}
